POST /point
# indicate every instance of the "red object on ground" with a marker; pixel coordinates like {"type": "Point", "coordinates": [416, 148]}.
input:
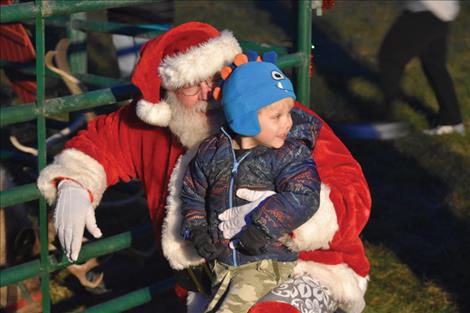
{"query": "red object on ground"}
{"type": "Point", "coordinates": [181, 292]}
{"type": "Point", "coordinates": [15, 46]}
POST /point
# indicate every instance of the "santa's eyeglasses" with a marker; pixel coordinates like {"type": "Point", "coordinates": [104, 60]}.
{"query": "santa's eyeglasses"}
{"type": "Point", "coordinates": [193, 90]}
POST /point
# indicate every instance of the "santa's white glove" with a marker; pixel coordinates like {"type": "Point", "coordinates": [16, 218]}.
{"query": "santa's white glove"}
{"type": "Point", "coordinates": [73, 213]}
{"type": "Point", "coordinates": [233, 219]}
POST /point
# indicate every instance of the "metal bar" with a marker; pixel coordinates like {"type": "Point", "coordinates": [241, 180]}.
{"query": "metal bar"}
{"type": "Point", "coordinates": [263, 47]}
{"type": "Point", "coordinates": [17, 113]}
{"type": "Point", "coordinates": [85, 78]}
{"type": "Point", "coordinates": [41, 139]}
{"type": "Point", "coordinates": [22, 11]}
{"type": "Point", "coordinates": [18, 195]}
{"type": "Point", "coordinates": [17, 12]}
{"type": "Point", "coordinates": [20, 157]}
{"type": "Point", "coordinates": [100, 81]}
{"type": "Point", "coordinates": [17, 273]}
{"type": "Point", "coordinates": [17, 65]}
{"type": "Point", "coordinates": [11, 115]}
{"type": "Point", "coordinates": [304, 46]}
{"type": "Point", "coordinates": [77, 55]}
{"type": "Point", "coordinates": [292, 60]}
{"type": "Point", "coordinates": [58, 261]}
{"type": "Point", "coordinates": [132, 299]}
{"type": "Point", "coordinates": [90, 99]}
{"type": "Point", "coordinates": [26, 68]}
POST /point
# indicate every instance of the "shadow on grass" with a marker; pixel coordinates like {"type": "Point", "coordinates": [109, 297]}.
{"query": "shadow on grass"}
{"type": "Point", "coordinates": [338, 67]}
{"type": "Point", "coordinates": [410, 216]}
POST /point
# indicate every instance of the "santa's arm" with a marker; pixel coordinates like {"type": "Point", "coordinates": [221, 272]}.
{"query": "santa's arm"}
{"type": "Point", "coordinates": [349, 190]}
{"type": "Point", "coordinates": [350, 200]}
{"type": "Point", "coordinates": [97, 157]}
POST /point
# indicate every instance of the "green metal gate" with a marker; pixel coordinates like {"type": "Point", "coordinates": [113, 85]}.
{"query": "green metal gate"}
{"type": "Point", "coordinates": [113, 91]}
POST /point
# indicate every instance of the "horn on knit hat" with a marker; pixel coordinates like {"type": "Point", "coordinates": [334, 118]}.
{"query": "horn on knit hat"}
{"type": "Point", "coordinates": [184, 55]}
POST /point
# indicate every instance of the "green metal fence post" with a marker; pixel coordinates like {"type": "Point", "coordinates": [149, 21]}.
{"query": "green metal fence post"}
{"type": "Point", "coordinates": [304, 46]}
{"type": "Point", "coordinates": [77, 40]}
{"type": "Point", "coordinates": [41, 139]}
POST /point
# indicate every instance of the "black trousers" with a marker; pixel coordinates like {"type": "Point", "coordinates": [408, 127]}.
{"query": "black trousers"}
{"type": "Point", "coordinates": [424, 36]}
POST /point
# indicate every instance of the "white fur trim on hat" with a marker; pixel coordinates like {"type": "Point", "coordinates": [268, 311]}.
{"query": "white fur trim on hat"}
{"type": "Point", "coordinates": [157, 114]}
{"type": "Point", "coordinates": [200, 62]}
{"type": "Point", "coordinates": [347, 287]}
{"type": "Point", "coordinates": [318, 231]}
{"type": "Point", "coordinates": [76, 165]}
{"type": "Point", "coordinates": [179, 252]}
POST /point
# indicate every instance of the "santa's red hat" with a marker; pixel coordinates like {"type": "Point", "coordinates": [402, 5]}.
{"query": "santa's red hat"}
{"type": "Point", "coordinates": [186, 54]}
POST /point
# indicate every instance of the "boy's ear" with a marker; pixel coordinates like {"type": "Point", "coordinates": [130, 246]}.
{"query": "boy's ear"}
{"type": "Point", "coordinates": [270, 56]}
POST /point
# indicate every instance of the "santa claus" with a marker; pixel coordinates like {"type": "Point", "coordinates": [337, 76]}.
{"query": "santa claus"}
{"type": "Point", "coordinates": [145, 140]}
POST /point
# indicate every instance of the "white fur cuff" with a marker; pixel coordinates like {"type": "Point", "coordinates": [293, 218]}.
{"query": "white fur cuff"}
{"type": "Point", "coordinates": [74, 164]}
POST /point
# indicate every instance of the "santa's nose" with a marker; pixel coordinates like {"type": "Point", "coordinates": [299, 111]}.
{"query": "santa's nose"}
{"type": "Point", "coordinates": [205, 92]}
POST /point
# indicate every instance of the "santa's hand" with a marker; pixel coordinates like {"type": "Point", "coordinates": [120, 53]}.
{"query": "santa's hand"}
{"type": "Point", "coordinates": [73, 213]}
{"type": "Point", "coordinates": [233, 219]}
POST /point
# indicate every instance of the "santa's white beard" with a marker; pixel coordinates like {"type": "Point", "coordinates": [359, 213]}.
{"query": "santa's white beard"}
{"type": "Point", "coordinates": [189, 125]}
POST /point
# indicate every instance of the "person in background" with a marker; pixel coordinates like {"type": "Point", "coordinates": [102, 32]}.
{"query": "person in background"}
{"type": "Point", "coordinates": [422, 31]}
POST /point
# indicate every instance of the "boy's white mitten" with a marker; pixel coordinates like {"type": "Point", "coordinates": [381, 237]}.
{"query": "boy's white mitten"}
{"type": "Point", "coordinates": [233, 219]}
{"type": "Point", "coordinates": [73, 213]}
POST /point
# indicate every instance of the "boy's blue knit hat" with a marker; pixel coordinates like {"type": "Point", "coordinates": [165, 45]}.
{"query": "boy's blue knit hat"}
{"type": "Point", "coordinates": [251, 85]}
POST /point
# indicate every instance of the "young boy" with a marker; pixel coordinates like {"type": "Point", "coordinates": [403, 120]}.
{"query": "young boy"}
{"type": "Point", "coordinates": [255, 153]}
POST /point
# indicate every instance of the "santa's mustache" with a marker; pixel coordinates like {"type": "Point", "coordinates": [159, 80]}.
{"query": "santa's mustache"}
{"type": "Point", "coordinates": [205, 106]}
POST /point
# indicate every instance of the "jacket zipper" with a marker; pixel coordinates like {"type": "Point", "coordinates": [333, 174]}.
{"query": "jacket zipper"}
{"type": "Point", "coordinates": [233, 174]}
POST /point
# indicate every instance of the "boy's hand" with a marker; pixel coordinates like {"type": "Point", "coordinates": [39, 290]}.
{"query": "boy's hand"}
{"type": "Point", "coordinates": [233, 219]}
{"type": "Point", "coordinates": [204, 245]}
{"type": "Point", "coordinates": [252, 241]}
